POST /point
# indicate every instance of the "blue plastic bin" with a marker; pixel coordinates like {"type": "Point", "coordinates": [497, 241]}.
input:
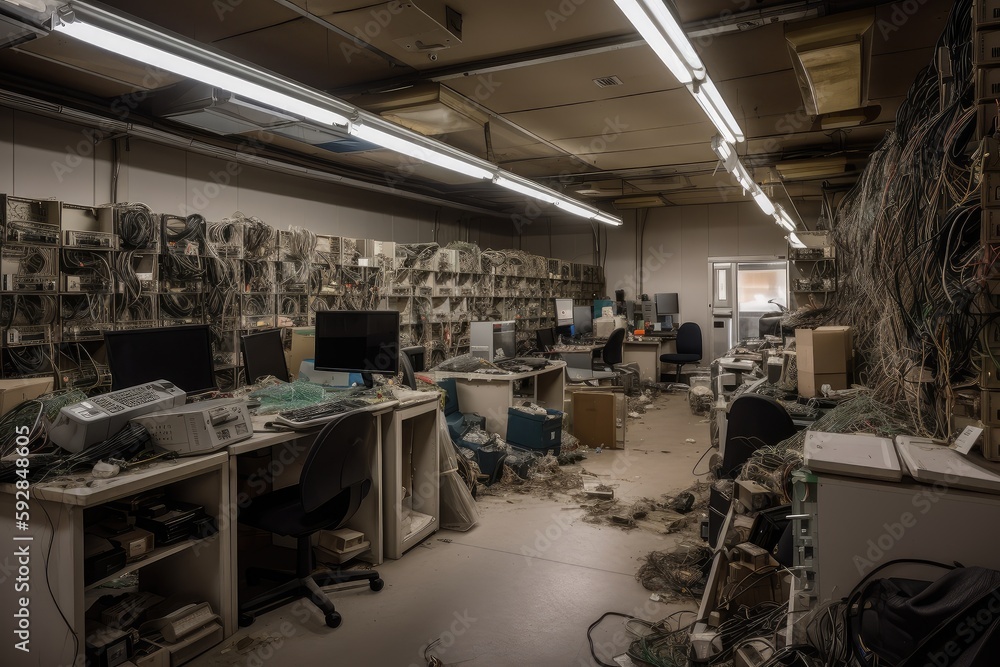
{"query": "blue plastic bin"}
{"type": "Point", "coordinates": [535, 432]}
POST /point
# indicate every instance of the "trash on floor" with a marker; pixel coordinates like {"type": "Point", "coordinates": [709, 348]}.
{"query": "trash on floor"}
{"type": "Point", "coordinates": [680, 573]}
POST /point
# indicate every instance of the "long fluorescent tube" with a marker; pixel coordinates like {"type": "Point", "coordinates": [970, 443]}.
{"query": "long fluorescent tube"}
{"type": "Point", "coordinates": [165, 60]}
{"type": "Point", "coordinates": [665, 36]}
{"type": "Point", "coordinates": [418, 152]}
{"type": "Point", "coordinates": [765, 204]}
{"type": "Point", "coordinates": [784, 220]}
{"type": "Point", "coordinates": [525, 189]}
{"type": "Point", "coordinates": [609, 219]}
{"type": "Point", "coordinates": [710, 100]}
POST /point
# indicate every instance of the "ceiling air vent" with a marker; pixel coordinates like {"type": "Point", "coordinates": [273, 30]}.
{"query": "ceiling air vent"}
{"type": "Point", "coordinates": [608, 81]}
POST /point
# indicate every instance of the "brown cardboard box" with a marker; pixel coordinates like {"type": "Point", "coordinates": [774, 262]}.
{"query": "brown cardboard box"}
{"type": "Point", "coordinates": [824, 350]}
{"type": "Point", "coordinates": [303, 347]}
{"type": "Point", "coordinates": [810, 383]}
{"type": "Point", "coordinates": [15, 392]}
{"type": "Point", "coordinates": [594, 419]}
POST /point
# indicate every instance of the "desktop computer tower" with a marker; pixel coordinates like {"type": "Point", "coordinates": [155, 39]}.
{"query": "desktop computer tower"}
{"type": "Point", "coordinates": [648, 311]}
{"type": "Point", "coordinates": [486, 338]}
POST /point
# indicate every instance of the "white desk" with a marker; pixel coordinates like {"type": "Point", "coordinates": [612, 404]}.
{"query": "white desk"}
{"type": "Point", "coordinates": [204, 569]}
{"type": "Point", "coordinates": [646, 353]}
{"type": "Point", "coordinates": [191, 568]}
{"type": "Point", "coordinates": [490, 395]}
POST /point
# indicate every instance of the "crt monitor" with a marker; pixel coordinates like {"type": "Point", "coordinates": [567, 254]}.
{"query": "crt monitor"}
{"type": "Point", "coordinates": [358, 341]}
{"type": "Point", "coordinates": [182, 355]}
{"type": "Point", "coordinates": [564, 312]}
{"type": "Point", "coordinates": [583, 323]}
{"type": "Point", "coordinates": [264, 355]}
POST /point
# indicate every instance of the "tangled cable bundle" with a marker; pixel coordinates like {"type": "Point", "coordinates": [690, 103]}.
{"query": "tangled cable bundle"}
{"type": "Point", "coordinates": [910, 273]}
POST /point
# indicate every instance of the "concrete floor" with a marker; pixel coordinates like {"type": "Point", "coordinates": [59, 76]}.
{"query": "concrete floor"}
{"type": "Point", "coordinates": [520, 588]}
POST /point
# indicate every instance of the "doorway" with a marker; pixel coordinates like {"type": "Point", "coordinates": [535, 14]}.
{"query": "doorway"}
{"type": "Point", "coordinates": [743, 290]}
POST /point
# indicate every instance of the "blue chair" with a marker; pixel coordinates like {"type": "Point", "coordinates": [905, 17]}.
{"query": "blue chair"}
{"type": "Point", "coordinates": [688, 347]}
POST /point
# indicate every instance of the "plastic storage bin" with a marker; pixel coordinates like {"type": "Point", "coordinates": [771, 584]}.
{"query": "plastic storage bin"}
{"type": "Point", "coordinates": [535, 432]}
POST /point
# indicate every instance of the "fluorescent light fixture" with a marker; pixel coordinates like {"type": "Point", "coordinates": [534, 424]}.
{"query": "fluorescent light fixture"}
{"type": "Point", "coordinates": [742, 176]}
{"type": "Point", "coordinates": [795, 241]}
{"type": "Point", "coordinates": [576, 209]}
{"type": "Point", "coordinates": [609, 219]}
{"type": "Point", "coordinates": [765, 204]}
{"type": "Point", "coordinates": [418, 151]}
{"type": "Point", "coordinates": [170, 62]}
{"type": "Point", "coordinates": [722, 148]}
{"type": "Point", "coordinates": [710, 100]}
{"type": "Point", "coordinates": [527, 189]}
{"type": "Point", "coordinates": [783, 219]}
{"type": "Point", "coordinates": [664, 35]}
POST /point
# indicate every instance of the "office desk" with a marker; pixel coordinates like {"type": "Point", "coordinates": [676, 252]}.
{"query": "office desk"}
{"type": "Point", "coordinates": [646, 353]}
{"type": "Point", "coordinates": [490, 395]}
{"type": "Point", "coordinates": [192, 567]}
{"type": "Point", "coordinates": [205, 569]}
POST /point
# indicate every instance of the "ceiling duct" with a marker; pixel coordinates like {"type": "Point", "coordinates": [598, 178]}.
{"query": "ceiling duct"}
{"type": "Point", "coordinates": [640, 201]}
{"type": "Point", "coordinates": [831, 60]}
{"type": "Point", "coordinates": [412, 26]}
{"type": "Point", "coordinates": [223, 113]}
{"type": "Point", "coordinates": [428, 108]}
{"type": "Point", "coordinates": [822, 167]}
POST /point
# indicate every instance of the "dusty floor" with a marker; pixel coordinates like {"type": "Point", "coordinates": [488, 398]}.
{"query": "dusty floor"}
{"type": "Point", "coordinates": [520, 588]}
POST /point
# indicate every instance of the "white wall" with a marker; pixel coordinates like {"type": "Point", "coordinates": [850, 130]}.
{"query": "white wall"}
{"type": "Point", "coordinates": [673, 256]}
{"type": "Point", "coordinates": [45, 158]}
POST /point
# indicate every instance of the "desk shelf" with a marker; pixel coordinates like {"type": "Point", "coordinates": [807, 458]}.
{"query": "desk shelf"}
{"type": "Point", "coordinates": [158, 554]}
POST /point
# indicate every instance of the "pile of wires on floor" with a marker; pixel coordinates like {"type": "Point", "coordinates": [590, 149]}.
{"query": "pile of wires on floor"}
{"type": "Point", "coordinates": [678, 573]}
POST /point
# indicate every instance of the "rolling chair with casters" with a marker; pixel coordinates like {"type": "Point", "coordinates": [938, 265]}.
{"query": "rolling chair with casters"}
{"type": "Point", "coordinates": [608, 367]}
{"type": "Point", "coordinates": [612, 353]}
{"type": "Point", "coordinates": [688, 348]}
{"type": "Point", "coordinates": [752, 422]}
{"type": "Point", "coordinates": [335, 479]}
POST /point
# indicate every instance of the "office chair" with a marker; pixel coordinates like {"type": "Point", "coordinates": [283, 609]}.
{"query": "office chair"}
{"type": "Point", "coordinates": [335, 478]}
{"type": "Point", "coordinates": [753, 421]}
{"type": "Point", "coordinates": [688, 348]}
{"type": "Point", "coordinates": [611, 355]}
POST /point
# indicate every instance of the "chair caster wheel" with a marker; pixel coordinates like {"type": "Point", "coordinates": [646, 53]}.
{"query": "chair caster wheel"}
{"type": "Point", "coordinates": [246, 620]}
{"type": "Point", "coordinates": [376, 584]}
{"type": "Point", "coordinates": [333, 619]}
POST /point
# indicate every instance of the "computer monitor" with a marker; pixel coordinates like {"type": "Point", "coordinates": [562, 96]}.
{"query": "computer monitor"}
{"type": "Point", "coordinates": [264, 355]}
{"type": "Point", "coordinates": [182, 355]}
{"type": "Point", "coordinates": [600, 305]}
{"type": "Point", "coordinates": [417, 355]}
{"type": "Point", "coordinates": [545, 338]}
{"type": "Point", "coordinates": [358, 341]}
{"type": "Point", "coordinates": [564, 312]}
{"type": "Point", "coordinates": [666, 304]}
{"type": "Point", "coordinates": [583, 323]}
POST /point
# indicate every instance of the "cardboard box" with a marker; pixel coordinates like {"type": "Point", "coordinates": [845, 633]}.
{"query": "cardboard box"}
{"type": "Point", "coordinates": [810, 383]}
{"type": "Point", "coordinates": [620, 414]}
{"type": "Point", "coordinates": [594, 419]}
{"type": "Point", "coordinates": [824, 349]}
{"type": "Point", "coordinates": [303, 347]}
{"type": "Point", "coordinates": [15, 392]}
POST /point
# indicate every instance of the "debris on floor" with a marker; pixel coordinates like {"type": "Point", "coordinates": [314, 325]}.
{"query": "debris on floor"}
{"type": "Point", "coordinates": [682, 502]}
{"type": "Point", "coordinates": [680, 573]}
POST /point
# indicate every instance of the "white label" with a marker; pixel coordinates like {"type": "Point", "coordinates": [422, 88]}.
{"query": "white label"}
{"type": "Point", "coordinates": [964, 442]}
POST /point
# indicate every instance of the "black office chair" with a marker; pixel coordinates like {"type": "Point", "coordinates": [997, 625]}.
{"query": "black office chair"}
{"type": "Point", "coordinates": [688, 347]}
{"type": "Point", "coordinates": [335, 478]}
{"type": "Point", "coordinates": [753, 421]}
{"type": "Point", "coordinates": [611, 355]}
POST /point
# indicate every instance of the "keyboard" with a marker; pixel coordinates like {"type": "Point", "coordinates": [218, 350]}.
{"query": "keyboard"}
{"type": "Point", "coordinates": [321, 413]}
{"type": "Point", "coordinates": [96, 419]}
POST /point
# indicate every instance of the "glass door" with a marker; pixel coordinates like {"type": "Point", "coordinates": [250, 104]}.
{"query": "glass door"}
{"type": "Point", "coordinates": [760, 286]}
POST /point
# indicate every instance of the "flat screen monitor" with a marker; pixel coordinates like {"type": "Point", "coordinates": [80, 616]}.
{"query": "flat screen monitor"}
{"type": "Point", "coordinates": [583, 323]}
{"type": "Point", "coordinates": [564, 312]}
{"type": "Point", "coordinates": [357, 341]}
{"type": "Point", "coordinates": [416, 354]}
{"type": "Point", "coordinates": [546, 339]}
{"type": "Point", "coordinates": [264, 355]}
{"type": "Point", "coordinates": [666, 304]}
{"type": "Point", "coordinates": [182, 355]}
